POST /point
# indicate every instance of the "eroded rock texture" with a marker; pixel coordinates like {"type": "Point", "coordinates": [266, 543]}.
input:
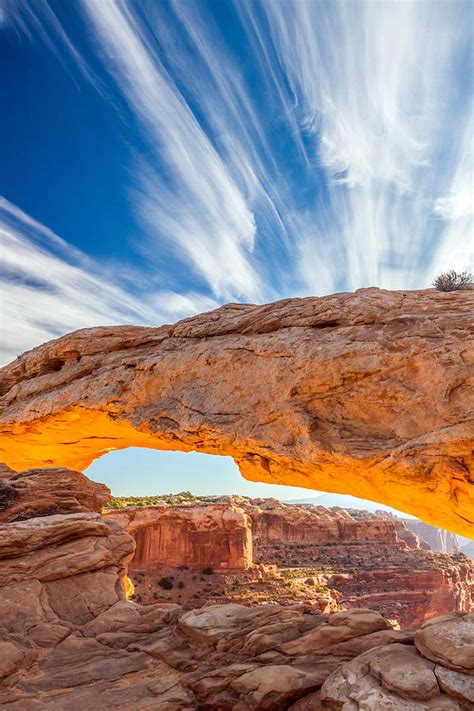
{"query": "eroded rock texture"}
{"type": "Point", "coordinates": [217, 536]}
{"type": "Point", "coordinates": [437, 673]}
{"type": "Point", "coordinates": [70, 640]}
{"type": "Point", "coordinates": [366, 393]}
{"type": "Point", "coordinates": [38, 492]}
{"type": "Point", "coordinates": [438, 540]}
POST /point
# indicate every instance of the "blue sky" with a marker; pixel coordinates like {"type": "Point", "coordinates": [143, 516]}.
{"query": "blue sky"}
{"type": "Point", "coordinates": [161, 158]}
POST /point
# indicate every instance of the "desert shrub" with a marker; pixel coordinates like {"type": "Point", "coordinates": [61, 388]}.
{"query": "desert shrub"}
{"type": "Point", "coordinates": [180, 585]}
{"type": "Point", "coordinates": [165, 583]}
{"type": "Point", "coordinates": [208, 571]}
{"type": "Point", "coordinates": [452, 280]}
{"type": "Point", "coordinates": [8, 495]}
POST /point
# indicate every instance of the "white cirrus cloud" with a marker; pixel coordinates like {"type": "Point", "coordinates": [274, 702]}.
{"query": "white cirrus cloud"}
{"type": "Point", "coordinates": [49, 288]}
{"type": "Point", "coordinates": [197, 204]}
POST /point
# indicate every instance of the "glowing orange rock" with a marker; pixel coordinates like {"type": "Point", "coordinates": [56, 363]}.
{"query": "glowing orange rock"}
{"type": "Point", "coordinates": [364, 393]}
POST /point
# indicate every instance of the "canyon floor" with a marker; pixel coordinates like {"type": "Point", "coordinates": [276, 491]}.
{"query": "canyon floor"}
{"type": "Point", "coordinates": [196, 550]}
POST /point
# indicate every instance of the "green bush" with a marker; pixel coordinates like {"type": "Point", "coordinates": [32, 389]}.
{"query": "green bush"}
{"type": "Point", "coordinates": [165, 583]}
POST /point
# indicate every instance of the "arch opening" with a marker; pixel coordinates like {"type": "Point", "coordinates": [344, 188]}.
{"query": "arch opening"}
{"type": "Point", "coordinates": [205, 535]}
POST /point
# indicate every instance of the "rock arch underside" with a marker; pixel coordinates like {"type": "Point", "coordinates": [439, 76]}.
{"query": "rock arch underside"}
{"type": "Point", "coordinates": [366, 393]}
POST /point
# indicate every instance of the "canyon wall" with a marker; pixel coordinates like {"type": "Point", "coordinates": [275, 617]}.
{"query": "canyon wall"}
{"type": "Point", "coordinates": [311, 524]}
{"type": "Point", "coordinates": [334, 393]}
{"type": "Point", "coordinates": [216, 536]}
{"type": "Point", "coordinates": [439, 541]}
{"type": "Point", "coordinates": [70, 640]}
{"type": "Point", "coordinates": [365, 556]}
{"type": "Point", "coordinates": [410, 594]}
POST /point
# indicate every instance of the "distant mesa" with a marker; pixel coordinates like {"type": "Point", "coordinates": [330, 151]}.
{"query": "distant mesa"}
{"type": "Point", "coordinates": [70, 639]}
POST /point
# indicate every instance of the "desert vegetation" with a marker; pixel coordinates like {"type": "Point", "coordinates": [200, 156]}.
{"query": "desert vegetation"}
{"type": "Point", "coordinates": [452, 280]}
{"type": "Point", "coordinates": [182, 498]}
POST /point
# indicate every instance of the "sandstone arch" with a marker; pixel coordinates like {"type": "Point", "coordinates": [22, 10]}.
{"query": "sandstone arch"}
{"type": "Point", "coordinates": [365, 393]}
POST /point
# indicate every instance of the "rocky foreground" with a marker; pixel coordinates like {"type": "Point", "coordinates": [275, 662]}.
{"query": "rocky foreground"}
{"type": "Point", "coordinates": [69, 639]}
{"type": "Point", "coordinates": [365, 393]}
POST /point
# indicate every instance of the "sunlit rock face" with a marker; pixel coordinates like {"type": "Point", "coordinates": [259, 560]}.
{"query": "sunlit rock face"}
{"type": "Point", "coordinates": [216, 536]}
{"type": "Point", "coordinates": [362, 557]}
{"type": "Point", "coordinates": [316, 524]}
{"type": "Point", "coordinates": [363, 393]}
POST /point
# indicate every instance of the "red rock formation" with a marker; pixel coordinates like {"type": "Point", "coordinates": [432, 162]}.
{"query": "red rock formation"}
{"type": "Point", "coordinates": [438, 540]}
{"type": "Point", "coordinates": [69, 639]}
{"type": "Point", "coordinates": [369, 551]}
{"type": "Point", "coordinates": [40, 492]}
{"type": "Point", "coordinates": [217, 536]}
{"type": "Point", "coordinates": [316, 524]}
{"type": "Point", "coordinates": [308, 392]}
{"type": "Point", "coordinates": [371, 566]}
{"type": "Point", "coordinates": [408, 594]}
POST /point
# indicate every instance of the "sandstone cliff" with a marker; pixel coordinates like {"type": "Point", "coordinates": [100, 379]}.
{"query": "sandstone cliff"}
{"type": "Point", "coordinates": [365, 393]}
{"type": "Point", "coordinates": [70, 640]}
{"type": "Point", "coordinates": [438, 540]}
{"type": "Point", "coordinates": [216, 536]}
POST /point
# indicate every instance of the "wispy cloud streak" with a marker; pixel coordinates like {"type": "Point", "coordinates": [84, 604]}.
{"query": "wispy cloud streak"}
{"type": "Point", "coordinates": [197, 204]}
{"type": "Point", "coordinates": [376, 86]}
{"type": "Point", "coordinates": [312, 147]}
{"type": "Point", "coordinates": [49, 288]}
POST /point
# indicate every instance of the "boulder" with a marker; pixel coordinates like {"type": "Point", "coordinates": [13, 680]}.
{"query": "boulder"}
{"type": "Point", "coordinates": [407, 678]}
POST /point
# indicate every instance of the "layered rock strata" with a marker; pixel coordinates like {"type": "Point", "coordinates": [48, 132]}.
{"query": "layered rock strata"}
{"type": "Point", "coordinates": [39, 492]}
{"type": "Point", "coordinates": [362, 557]}
{"type": "Point", "coordinates": [217, 536]}
{"type": "Point", "coordinates": [438, 540]}
{"type": "Point", "coordinates": [309, 392]}
{"type": "Point", "coordinates": [411, 591]}
{"type": "Point", "coordinates": [275, 522]}
{"type": "Point", "coordinates": [69, 639]}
